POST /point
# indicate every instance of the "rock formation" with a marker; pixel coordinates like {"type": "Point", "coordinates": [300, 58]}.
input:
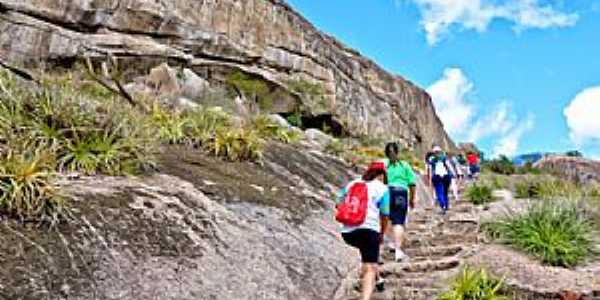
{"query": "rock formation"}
{"type": "Point", "coordinates": [199, 229]}
{"type": "Point", "coordinates": [577, 169]}
{"type": "Point", "coordinates": [264, 38]}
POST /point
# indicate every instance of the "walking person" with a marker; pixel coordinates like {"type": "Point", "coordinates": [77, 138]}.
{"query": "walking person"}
{"type": "Point", "coordinates": [440, 176]}
{"type": "Point", "coordinates": [401, 183]}
{"type": "Point", "coordinates": [363, 208]}
{"type": "Point", "coordinates": [473, 161]}
{"type": "Point", "coordinates": [427, 179]}
{"type": "Point", "coordinates": [457, 175]}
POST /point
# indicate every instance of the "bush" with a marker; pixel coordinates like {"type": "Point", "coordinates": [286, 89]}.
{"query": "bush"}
{"type": "Point", "coordinates": [555, 232]}
{"type": "Point", "coordinates": [237, 144]}
{"type": "Point", "coordinates": [87, 134]}
{"type": "Point", "coordinates": [496, 181]}
{"type": "Point", "coordinates": [268, 129]}
{"type": "Point", "coordinates": [503, 165]}
{"type": "Point", "coordinates": [295, 120]}
{"type": "Point", "coordinates": [545, 187]}
{"type": "Point", "coordinates": [473, 284]}
{"type": "Point", "coordinates": [479, 194]}
{"type": "Point", "coordinates": [27, 188]}
{"type": "Point", "coordinates": [256, 89]}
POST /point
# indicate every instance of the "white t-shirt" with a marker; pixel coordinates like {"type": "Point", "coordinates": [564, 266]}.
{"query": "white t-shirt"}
{"type": "Point", "coordinates": [378, 205]}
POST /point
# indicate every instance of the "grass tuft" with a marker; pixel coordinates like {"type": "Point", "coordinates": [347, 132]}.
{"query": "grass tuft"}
{"type": "Point", "coordinates": [558, 233]}
{"type": "Point", "coordinates": [27, 189]}
{"type": "Point", "coordinates": [479, 194]}
{"type": "Point", "coordinates": [473, 284]}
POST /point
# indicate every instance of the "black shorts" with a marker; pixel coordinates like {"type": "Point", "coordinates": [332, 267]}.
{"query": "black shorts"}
{"type": "Point", "coordinates": [398, 205]}
{"type": "Point", "coordinates": [365, 240]}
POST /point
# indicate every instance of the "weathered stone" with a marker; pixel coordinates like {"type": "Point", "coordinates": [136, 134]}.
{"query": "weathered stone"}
{"type": "Point", "coordinates": [163, 80]}
{"type": "Point", "coordinates": [201, 229]}
{"type": "Point", "coordinates": [263, 37]}
{"type": "Point", "coordinates": [193, 86]}
{"type": "Point", "coordinates": [318, 136]}
{"type": "Point", "coordinates": [279, 120]}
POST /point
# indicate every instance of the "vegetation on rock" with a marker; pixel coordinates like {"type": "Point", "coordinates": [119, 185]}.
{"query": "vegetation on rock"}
{"type": "Point", "coordinates": [558, 233]}
{"type": "Point", "coordinates": [474, 284]}
{"type": "Point", "coordinates": [479, 194]}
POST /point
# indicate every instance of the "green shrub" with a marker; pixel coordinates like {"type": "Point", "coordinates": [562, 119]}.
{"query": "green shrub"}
{"type": "Point", "coordinates": [472, 284]}
{"type": "Point", "coordinates": [295, 120]}
{"type": "Point", "coordinates": [557, 233]}
{"type": "Point", "coordinates": [254, 88]}
{"type": "Point", "coordinates": [205, 123]}
{"type": "Point", "coordinates": [496, 181]}
{"type": "Point", "coordinates": [479, 194]}
{"type": "Point", "coordinates": [502, 165]}
{"type": "Point", "coordinates": [268, 129]}
{"type": "Point", "coordinates": [27, 189]}
{"type": "Point", "coordinates": [237, 144]}
{"type": "Point", "coordinates": [312, 92]}
{"type": "Point", "coordinates": [173, 127]}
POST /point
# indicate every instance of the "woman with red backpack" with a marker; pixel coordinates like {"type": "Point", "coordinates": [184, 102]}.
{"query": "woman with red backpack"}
{"type": "Point", "coordinates": [363, 206]}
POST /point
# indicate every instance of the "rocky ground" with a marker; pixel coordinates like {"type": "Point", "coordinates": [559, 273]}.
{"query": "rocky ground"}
{"type": "Point", "coordinates": [200, 228]}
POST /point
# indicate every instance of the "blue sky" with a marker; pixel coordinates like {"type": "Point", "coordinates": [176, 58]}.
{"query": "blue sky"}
{"type": "Point", "coordinates": [513, 75]}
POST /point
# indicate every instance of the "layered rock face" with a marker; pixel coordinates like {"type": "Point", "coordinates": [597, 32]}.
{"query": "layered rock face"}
{"type": "Point", "coordinates": [265, 38]}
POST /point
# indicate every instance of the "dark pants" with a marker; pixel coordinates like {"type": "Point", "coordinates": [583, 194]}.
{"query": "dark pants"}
{"type": "Point", "coordinates": [366, 241]}
{"type": "Point", "coordinates": [441, 185]}
{"type": "Point", "coordinates": [398, 205]}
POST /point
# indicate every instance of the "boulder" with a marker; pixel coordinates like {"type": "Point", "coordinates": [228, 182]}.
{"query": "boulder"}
{"type": "Point", "coordinates": [163, 80]}
{"type": "Point", "coordinates": [319, 137]}
{"type": "Point", "coordinates": [279, 120]}
{"type": "Point", "coordinates": [193, 86]}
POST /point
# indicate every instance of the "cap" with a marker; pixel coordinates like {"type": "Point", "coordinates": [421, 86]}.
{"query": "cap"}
{"type": "Point", "coordinates": [376, 166]}
{"type": "Point", "coordinates": [437, 149]}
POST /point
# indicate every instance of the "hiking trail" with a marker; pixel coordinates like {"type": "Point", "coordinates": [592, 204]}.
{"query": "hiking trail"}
{"type": "Point", "coordinates": [438, 247]}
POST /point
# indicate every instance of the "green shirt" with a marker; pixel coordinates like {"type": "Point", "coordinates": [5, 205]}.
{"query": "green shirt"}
{"type": "Point", "coordinates": [400, 174]}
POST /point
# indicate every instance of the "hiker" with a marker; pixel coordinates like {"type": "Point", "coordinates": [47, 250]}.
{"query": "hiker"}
{"type": "Point", "coordinates": [456, 170]}
{"type": "Point", "coordinates": [363, 208]}
{"type": "Point", "coordinates": [401, 183]}
{"type": "Point", "coordinates": [440, 177]}
{"type": "Point", "coordinates": [473, 161]}
{"type": "Point", "coordinates": [427, 179]}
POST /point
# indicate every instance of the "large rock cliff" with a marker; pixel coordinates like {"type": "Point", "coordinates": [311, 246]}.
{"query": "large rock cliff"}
{"type": "Point", "coordinates": [265, 38]}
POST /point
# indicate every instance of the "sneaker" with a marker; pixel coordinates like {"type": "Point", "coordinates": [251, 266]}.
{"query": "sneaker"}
{"type": "Point", "coordinates": [401, 256]}
{"type": "Point", "coordinates": [390, 246]}
{"type": "Point", "coordinates": [380, 285]}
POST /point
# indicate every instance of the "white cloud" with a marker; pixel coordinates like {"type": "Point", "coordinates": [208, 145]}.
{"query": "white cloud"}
{"type": "Point", "coordinates": [499, 121]}
{"type": "Point", "coordinates": [509, 144]}
{"type": "Point", "coordinates": [439, 16]}
{"type": "Point", "coordinates": [449, 95]}
{"type": "Point", "coordinates": [452, 96]}
{"type": "Point", "coordinates": [583, 117]}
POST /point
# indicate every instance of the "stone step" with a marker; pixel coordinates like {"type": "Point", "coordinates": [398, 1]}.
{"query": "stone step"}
{"type": "Point", "coordinates": [439, 240]}
{"type": "Point", "coordinates": [431, 265]}
{"type": "Point", "coordinates": [416, 294]}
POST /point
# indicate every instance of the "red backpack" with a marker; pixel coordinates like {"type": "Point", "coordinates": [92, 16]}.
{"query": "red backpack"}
{"type": "Point", "coordinates": [353, 210]}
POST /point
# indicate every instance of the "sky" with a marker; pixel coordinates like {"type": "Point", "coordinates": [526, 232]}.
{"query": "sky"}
{"type": "Point", "coordinates": [513, 76]}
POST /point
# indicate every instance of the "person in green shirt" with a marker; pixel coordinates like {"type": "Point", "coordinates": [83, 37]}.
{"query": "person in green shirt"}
{"type": "Point", "coordinates": [401, 184]}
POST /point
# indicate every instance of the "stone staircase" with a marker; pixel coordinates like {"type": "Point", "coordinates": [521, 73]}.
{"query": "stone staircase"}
{"type": "Point", "coordinates": [437, 246]}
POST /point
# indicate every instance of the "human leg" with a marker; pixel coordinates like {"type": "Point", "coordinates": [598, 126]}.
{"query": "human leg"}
{"type": "Point", "coordinates": [398, 217]}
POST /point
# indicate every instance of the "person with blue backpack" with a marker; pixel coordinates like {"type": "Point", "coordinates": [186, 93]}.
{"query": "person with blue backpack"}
{"type": "Point", "coordinates": [363, 209]}
{"type": "Point", "coordinates": [440, 176]}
